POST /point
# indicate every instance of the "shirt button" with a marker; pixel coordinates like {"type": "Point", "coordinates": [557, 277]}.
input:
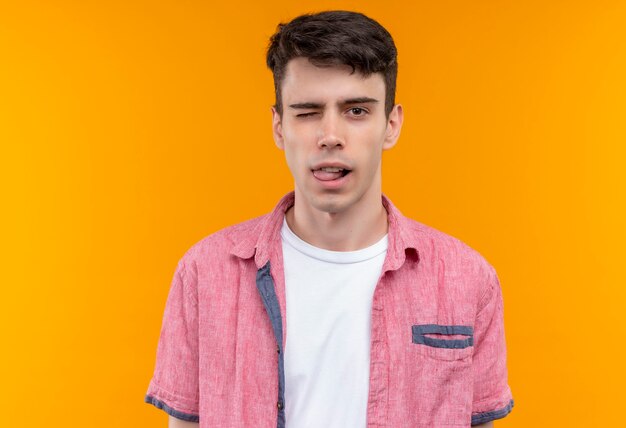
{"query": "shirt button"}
{"type": "Point", "coordinates": [280, 405]}
{"type": "Point", "coordinates": [278, 349]}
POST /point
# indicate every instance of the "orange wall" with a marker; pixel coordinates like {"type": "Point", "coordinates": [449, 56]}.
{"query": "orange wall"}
{"type": "Point", "coordinates": [126, 125]}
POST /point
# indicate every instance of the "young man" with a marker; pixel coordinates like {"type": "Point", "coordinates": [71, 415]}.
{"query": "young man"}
{"type": "Point", "coordinates": [334, 310]}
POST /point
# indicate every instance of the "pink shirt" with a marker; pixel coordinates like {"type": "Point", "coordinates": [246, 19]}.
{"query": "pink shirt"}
{"type": "Point", "coordinates": [438, 352]}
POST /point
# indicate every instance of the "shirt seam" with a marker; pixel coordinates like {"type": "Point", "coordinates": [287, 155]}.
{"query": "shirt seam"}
{"type": "Point", "coordinates": [485, 297]}
{"type": "Point", "coordinates": [163, 394]}
{"type": "Point", "coordinates": [183, 278]}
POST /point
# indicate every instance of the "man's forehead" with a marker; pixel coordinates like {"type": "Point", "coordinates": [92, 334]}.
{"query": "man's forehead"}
{"type": "Point", "coordinates": [303, 63]}
{"type": "Point", "coordinates": [339, 82]}
{"type": "Point", "coordinates": [302, 67]}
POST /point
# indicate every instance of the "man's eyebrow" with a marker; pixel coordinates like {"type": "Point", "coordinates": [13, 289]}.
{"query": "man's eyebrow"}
{"type": "Point", "coordinates": [306, 105]}
{"type": "Point", "coordinates": [348, 101]}
{"type": "Point", "coordinates": [360, 100]}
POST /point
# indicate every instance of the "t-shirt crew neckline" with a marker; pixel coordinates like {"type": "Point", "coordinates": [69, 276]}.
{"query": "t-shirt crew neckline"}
{"type": "Point", "coordinates": [330, 256]}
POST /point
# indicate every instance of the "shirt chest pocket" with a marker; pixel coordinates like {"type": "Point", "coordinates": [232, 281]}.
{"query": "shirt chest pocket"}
{"type": "Point", "coordinates": [441, 372]}
{"type": "Point", "coordinates": [443, 342]}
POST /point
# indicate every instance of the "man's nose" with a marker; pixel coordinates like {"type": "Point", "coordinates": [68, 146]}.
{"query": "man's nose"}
{"type": "Point", "coordinates": [330, 134]}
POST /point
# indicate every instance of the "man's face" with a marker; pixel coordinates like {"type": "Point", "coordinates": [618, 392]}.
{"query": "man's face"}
{"type": "Point", "coordinates": [333, 130]}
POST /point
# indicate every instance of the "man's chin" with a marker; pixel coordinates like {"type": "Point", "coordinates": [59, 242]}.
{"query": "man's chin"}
{"type": "Point", "coordinates": [330, 204]}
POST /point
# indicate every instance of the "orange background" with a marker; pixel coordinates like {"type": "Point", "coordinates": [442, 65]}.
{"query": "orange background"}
{"type": "Point", "coordinates": [132, 129]}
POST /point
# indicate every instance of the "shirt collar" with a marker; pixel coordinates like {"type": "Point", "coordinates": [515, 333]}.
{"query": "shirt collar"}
{"type": "Point", "coordinates": [265, 236]}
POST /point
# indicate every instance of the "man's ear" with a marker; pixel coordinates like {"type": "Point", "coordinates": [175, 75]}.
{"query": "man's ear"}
{"type": "Point", "coordinates": [394, 125]}
{"type": "Point", "coordinates": [277, 129]}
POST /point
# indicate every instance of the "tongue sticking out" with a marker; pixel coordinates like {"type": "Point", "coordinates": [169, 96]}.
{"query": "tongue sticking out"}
{"type": "Point", "coordinates": [327, 176]}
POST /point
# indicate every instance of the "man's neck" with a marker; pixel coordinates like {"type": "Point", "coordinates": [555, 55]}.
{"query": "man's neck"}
{"type": "Point", "coordinates": [363, 225]}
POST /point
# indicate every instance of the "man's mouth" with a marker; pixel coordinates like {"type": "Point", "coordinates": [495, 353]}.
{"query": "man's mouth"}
{"type": "Point", "coordinates": [330, 173]}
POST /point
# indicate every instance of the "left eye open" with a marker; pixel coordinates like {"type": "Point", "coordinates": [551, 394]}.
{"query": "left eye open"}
{"type": "Point", "coordinates": [357, 111]}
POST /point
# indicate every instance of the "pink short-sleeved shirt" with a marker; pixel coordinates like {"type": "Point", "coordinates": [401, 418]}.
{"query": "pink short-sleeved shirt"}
{"type": "Point", "coordinates": [438, 353]}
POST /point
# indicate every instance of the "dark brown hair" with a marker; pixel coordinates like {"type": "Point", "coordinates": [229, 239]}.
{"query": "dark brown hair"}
{"type": "Point", "coordinates": [335, 38]}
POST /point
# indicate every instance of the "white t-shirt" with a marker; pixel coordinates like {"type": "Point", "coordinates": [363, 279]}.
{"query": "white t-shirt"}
{"type": "Point", "coordinates": [327, 353]}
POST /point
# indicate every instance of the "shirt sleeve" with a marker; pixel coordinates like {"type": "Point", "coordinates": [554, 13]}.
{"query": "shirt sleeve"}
{"type": "Point", "coordinates": [492, 395]}
{"type": "Point", "coordinates": [174, 385]}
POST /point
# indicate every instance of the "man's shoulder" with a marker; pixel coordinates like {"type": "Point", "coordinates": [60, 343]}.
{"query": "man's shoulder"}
{"type": "Point", "coordinates": [465, 272]}
{"type": "Point", "coordinates": [434, 244]}
{"type": "Point", "coordinates": [219, 245]}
